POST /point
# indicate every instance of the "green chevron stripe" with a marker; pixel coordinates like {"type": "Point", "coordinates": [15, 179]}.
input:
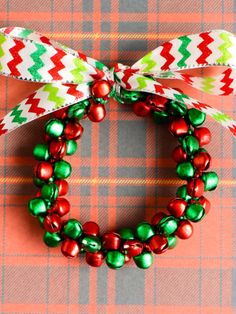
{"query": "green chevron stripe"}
{"type": "Point", "coordinates": [2, 41]}
{"type": "Point", "coordinates": [25, 33]}
{"type": "Point", "coordinates": [226, 55]}
{"type": "Point", "coordinates": [17, 115]}
{"type": "Point", "coordinates": [52, 90]}
{"type": "Point", "coordinates": [207, 85]}
{"type": "Point", "coordinates": [183, 50]}
{"type": "Point", "coordinates": [99, 65]}
{"type": "Point", "coordinates": [38, 63]}
{"type": "Point", "coordinates": [221, 117]}
{"type": "Point", "coordinates": [142, 82]}
{"type": "Point", "coordinates": [180, 97]}
{"type": "Point", "coordinates": [150, 63]}
{"type": "Point", "coordinates": [77, 72]}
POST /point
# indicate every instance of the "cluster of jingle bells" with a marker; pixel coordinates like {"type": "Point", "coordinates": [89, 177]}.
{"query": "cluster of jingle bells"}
{"type": "Point", "coordinates": [50, 173]}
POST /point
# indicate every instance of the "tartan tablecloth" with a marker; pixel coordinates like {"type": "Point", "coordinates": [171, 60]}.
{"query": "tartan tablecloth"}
{"type": "Point", "coordinates": [122, 174]}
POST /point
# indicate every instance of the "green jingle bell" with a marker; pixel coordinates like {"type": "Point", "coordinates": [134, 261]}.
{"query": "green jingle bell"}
{"type": "Point", "coordinates": [182, 193]}
{"type": "Point", "coordinates": [91, 244]}
{"type": "Point", "coordinates": [62, 169]}
{"type": "Point", "coordinates": [130, 96]}
{"type": "Point", "coordinates": [37, 206]}
{"type": "Point", "coordinates": [38, 182]}
{"type": "Point", "coordinates": [160, 116]}
{"type": "Point", "coordinates": [210, 180]}
{"type": "Point", "coordinates": [115, 259]}
{"type": "Point", "coordinates": [73, 229]}
{"type": "Point", "coordinates": [41, 152]}
{"type": "Point", "coordinates": [167, 225]}
{"type": "Point", "coordinates": [144, 231]}
{"type": "Point", "coordinates": [127, 234]}
{"type": "Point", "coordinates": [176, 108]}
{"type": "Point", "coordinates": [172, 241]}
{"type": "Point", "coordinates": [54, 128]}
{"type": "Point", "coordinates": [190, 144]}
{"type": "Point", "coordinates": [196, 117]}
{"type": "Point", "coordinates": [49, 191]}
{"type": "Point", "coordinates": [71, 147]}
{"type": "Point", "coordinates": [41, 220]}
{"type": "Point", "coordinates": [185, 170]}
{"type": "Point", "coordinates": [77, 111]}
{"type": "Point", "coordinates": [195, 212]}
{"type": "Point", "coordinates": [52, 239]}
{"type": "Point", "coordinates": [144, 260]}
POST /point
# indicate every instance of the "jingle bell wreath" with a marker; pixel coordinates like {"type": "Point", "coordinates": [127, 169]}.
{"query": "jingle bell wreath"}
{"type": "Point", "coordinates": [77, 88]}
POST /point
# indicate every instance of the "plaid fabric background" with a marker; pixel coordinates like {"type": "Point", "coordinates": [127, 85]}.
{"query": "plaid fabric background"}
{"type": "Point", "coordinates": [122, 173]}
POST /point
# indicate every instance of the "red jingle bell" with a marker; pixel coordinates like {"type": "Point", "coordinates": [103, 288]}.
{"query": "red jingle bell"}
{"type": "Point", "coordinates": [94, 259]}
{"type": "Point", "coordinates": [60, 207]}
{"type": "Point", "coordinates": [202, 161]}
{"type": "Point", "coordinates": [61, 114]}
{"type": "Point", "coordinates": [101, 89]}
{"type": "Point", "coordinates": [178, 127]}
{"type": "Point", "coordinates": [111, 241]}
{"type": "Point", "coordinates": [205, 204]}
{"type": "Point", "coordinates": [141, 109]}
{"type": "Point", "coordinates": [185, 230]}
{"type": "Point", "coordinates": [57, 149]}
{"type": "Point", "coordinates": [157, 102]}
{"type": "Point", "coordinates": [70, 248]}
{"type": "Point", "coordinates": [73, 131]}
{"type": "Point", "coordinates": [158, 244]}
{"type": "Point", "coordinates": [91, 228]}
{"type": "Point", "coordinates": [63, 186]}
{"type": "Point", "coordinates": [157, 217]}
{"type": "Point", "coordinates": [179, 155]}
{"type": "Point", "coordinates": [52, 223]}
{"type": "Point", "coordinates": [43, 170]}
{"type": "Point", "coordinates": [195, 187]}
{"type": "Point", "coordinates": [97, 112]}
{"type": "Point", "coordinates": [47, 138]}
{"type": "Point", "coordinates": [38, 193]}
{"type": "Point", "coordinates": [203, 135]}
{"type": "Point", "coordinates": [132, 247]}
{"type": "Point", "coordinates": [177, 207]}
{"type": "Point", "coordinates": [146, 247]}
{"type": "Point", "coordinates": [127, 259]}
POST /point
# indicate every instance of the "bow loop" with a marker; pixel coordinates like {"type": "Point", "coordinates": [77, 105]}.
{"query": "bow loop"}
{"type": "Point", "coordinates": [68, 74]}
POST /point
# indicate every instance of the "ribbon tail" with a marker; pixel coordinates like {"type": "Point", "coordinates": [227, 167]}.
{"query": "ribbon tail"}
{"type": "Point", "coordinates": [222, 84]}
{"type": "Point", "coordinates": [145, 84]}
{"type": "Point", "coordinates": [45, 100]}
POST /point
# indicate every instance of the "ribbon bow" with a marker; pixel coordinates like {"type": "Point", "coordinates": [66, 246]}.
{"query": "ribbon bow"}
{"type": "Point", "coordinates": [68, 74]}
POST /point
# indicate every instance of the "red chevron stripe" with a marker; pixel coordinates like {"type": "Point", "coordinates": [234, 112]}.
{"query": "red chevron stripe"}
{"type": "Point", "coordinates": [9, 29]}
{"type": "Point", "coordinates": [16, 57]}
{"type": "Point", "coordinates": [127, 75]}
{"type": "Point", "coordinates": [160, 88]}
{"type": "Point", "coordinates": [56, 59]}
{"type": "Point", "coordinates": [187, 78]}
{"type": "Point", "coordinates": [99, 74]}
{"type": "Point", "coordinates": [232, 129]}
{"type": "Point", "coordinates": [82, 56]}
{"type": "Point", "coordinates": [165, 53]}
{"type": "Point", "coordinates": [73, 91]}
{"type": "Point", "coordinates": [2, 130]}
{"type": "Point", "coordinates": [45, 40]}
{"type": "Point", "coordinates": [203, 47]}
{"type": "Point", "coordinates": [200, 105]}
{"type": "Point", "coordinates": [227, 90]}
{"type": "Point", "coordinates": [33, 102]}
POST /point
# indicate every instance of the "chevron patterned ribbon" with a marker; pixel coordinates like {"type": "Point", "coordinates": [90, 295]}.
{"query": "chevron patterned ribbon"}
{"type": "Point", "coordinates": [68, 74]}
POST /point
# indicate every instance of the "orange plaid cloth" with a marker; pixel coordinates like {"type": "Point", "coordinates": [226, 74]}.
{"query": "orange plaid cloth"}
{"type": "Point", "coordinates": [122, 174]}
